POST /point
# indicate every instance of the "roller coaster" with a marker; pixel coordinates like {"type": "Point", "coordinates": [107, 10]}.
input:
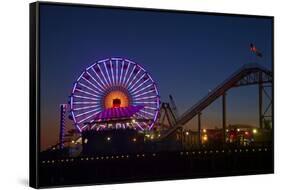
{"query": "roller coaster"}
{"type": "Point", "coordinates": [249, 74]}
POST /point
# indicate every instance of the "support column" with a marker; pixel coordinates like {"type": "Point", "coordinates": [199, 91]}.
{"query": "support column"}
{"type": "Point", "coordinates": [182, 138]}
{"type": "Point", "coordinates": [63, 108]}
{"type": "Point", "coordinates": [260, 100]}
{"type": "Point", "coordinates": [199, 128]}
{"type": "Point", "coordinates": [224, 117]}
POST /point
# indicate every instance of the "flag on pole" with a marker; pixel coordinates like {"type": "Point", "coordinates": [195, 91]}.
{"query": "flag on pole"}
{"type": "Point", "coordinates": [254, 49]}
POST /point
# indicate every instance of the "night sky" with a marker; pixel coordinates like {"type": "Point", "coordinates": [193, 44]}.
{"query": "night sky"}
{"type": "Point", "coordinates": [186, 54]}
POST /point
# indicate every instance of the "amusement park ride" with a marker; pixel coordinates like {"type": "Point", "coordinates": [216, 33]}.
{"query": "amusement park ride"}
{"type": "Point", "coordinates": [115, 105]}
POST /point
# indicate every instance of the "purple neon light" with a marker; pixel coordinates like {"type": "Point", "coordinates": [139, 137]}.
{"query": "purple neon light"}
{"type": "Point", "coordinates": [92, 84]}
{"type": "Point", "coordinates": [117, 113]}
{"type": "Point", "coordinates": [112, 74]}
{"type": "Point", "coordinates": [104, 64]}
{"type": "Point", "coordinates": [116, 72]}
{"type": "Point", "coordinates": [104, 86]}
{"type": "Point", "coordinates": [95, 81]}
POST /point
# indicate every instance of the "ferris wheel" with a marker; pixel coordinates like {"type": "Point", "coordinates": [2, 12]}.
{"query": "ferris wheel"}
{"type": "Point", "coordinates": [114, 93]}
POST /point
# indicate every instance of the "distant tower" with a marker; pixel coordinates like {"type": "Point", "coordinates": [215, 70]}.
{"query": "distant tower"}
{"type": "Point", "coordinates": [63, 108]}
{"type": "Point", "coordinates": [174, 107]}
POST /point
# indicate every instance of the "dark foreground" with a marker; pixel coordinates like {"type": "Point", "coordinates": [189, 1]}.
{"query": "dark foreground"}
{"type": "Point", "coordinates": [155, 166]}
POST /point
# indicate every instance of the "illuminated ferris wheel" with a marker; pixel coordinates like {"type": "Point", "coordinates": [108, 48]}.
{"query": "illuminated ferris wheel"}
{"type": "Point", "coordinates": [114, 93]}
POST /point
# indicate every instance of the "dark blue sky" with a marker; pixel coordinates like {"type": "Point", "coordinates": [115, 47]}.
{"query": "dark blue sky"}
{"type": "Point", "coordinates": [187, 54]}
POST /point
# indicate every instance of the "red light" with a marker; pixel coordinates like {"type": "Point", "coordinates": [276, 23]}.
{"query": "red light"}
{"type": "Point", "coordinates": [116, 103]}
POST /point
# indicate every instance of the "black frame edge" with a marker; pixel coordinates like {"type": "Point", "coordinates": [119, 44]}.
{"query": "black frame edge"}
{"type": "Point", "coordinates": [33, 89]}
{"type": "Point", "coordinates": [87, 5]}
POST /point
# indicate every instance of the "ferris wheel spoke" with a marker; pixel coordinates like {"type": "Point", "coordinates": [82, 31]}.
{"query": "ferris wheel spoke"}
{"type": "Point", "coordinates": [112, 73]}
{"type": "Point", "coordinates": [87, 112]}
{"type": "Point", "coordinates": [136, 82]}
{"type": "Point", "coordinates": [145, 98]}
{"type": "Point", "coordinates": [85, 97]}
{"type": "Point", "coordinates": [106, 70]}
{"type": "Point", "coordinates": [146, 112]}
{"type": "Point", "coordinates": [86, 107]}
{"type": "Point", "coordinates": [101, 86]}
{"type": "Point", "coordinates": [130, 75]}
{"type": "Point", "coordinates": [133, 79]}
{"type": "Point", "coordinates": [126, 72]}
{"type": "Point", "coordinates": [139, 126]}
{"type": "Point", "coordinates": [142, 116]}
{"type": "Point", "coordinates": [104, 86]}
{"type": "Point", "coordinates": [121, 72]}
{"type": "Point", "coordinates": [145, 124]}
{"type": "Point", "coordinates": [88, 117]}
{"type": "Point", "coordinates": [145, 102]}
{"type": "Point", "coordinates": [117, 68]}
{"type": "Point", "coordinates": [93, 126]}
{"type": "Point", "coordinates": [134, 89]}
{"type": "Point", "coordinates": [92, 84]}
{"type": "Point", "coordinates": [144, 93]}
{"type": "Point", "coordinates": [84, 102]}
{"type": "Point", "coordinates": [89, 88]}
{"type": "Point", "coordinates": [91, 94]}
{"type": "Point", "coordinates": [151, 108]}
{"type": "Point", "coordinates": [103, 75]}
{"type": "Point", "coordinates": [142, 89]}
{"type": "Point", "coordinates": [84, 126]}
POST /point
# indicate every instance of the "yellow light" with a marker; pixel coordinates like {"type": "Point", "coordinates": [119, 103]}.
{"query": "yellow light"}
{"type": "Point", "coordinates": [255, 131]}
{"type": "Point", "coordinates": [134, 139]}
{"type": "Point", "coordinates": [186, 133]}
{"type": "Point", "coordinates": [133, 120]}
{"type": "Point", "coordinates": [204, 130]}
{"type": "Point", "coordinates": [73, 141]}
{"type": "Point", "coordinates": [238, 130]}
{"type": "Point", "coordinates": [205, 138]}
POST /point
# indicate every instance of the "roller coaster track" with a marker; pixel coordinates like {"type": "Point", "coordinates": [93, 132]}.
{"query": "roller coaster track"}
{"type": "Point", "coordinates": [249, 74]}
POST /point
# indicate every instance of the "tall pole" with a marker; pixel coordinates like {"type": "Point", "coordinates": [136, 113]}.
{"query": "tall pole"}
{"type": "Point", "coordinates": [199, 128]}
{"type": "Point", "coordinates": [260, 100]}
{"type": "Point", "coordinates": [182, 139]}
{"type": "Point", "coordinates": [224, 116]}
{"type": "Point", "coordinates": [63, 108]}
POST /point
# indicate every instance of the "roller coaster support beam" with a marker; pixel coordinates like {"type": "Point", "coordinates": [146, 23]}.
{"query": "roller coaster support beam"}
{"type": "Point", "coordinates": [224, 117]}
{"type": "Point", "coordinates": [199, 128]}
{"type": "Point", "coordinates": [260, 100]}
